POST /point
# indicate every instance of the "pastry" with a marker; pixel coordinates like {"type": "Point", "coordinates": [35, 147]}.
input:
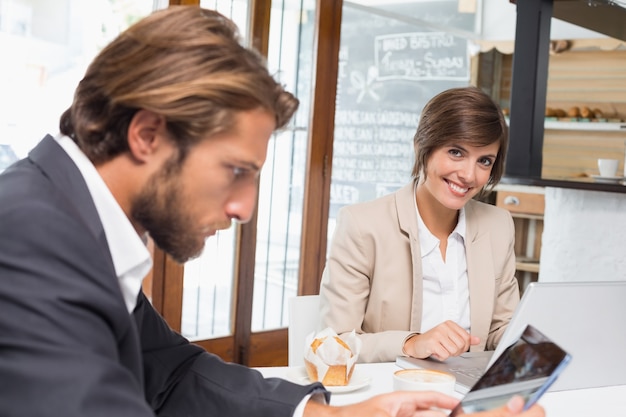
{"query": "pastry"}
{"type": "Point", "coordinates": [330, 359]}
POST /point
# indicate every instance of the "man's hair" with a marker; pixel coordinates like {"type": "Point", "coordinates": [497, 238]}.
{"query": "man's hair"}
{"type": "Point", "coordinates": [457, 116]}
{"type": "Point", "coordinates": [184, 63]}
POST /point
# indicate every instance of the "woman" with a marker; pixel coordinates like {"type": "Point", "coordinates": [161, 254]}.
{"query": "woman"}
{"type": "Point", "coordinates": [428, 271]}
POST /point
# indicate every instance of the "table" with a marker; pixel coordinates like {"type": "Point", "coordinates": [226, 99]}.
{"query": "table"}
{"type": "Point", "coordinates": [592, 402]}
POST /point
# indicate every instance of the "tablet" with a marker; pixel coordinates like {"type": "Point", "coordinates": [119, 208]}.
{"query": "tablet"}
{"type": "Point", "coordinates": [527, 368]}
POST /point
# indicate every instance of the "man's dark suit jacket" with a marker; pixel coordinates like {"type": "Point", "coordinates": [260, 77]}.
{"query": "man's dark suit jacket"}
{"type": "Point", "coordinates": [68, 346]}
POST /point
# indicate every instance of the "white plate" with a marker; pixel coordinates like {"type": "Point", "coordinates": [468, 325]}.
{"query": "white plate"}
{"type": "Point", "coordinates": [607, 179]}
{"type": "Point", "coordinates": [358, 380]}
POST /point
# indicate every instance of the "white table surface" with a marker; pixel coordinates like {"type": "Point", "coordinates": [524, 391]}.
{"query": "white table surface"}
{"type": "Point", "coordinates": [593, 402]}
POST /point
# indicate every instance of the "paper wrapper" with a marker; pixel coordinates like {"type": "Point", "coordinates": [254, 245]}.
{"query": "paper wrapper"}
{"type": "Point", "coordinates": [331, 363]}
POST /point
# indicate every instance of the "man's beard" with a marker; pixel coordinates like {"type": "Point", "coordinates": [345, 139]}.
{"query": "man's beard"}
{"type": "Point", "coordinates": [159, 209]}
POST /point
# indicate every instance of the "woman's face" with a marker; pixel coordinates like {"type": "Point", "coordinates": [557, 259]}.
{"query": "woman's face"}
{"type": "Point", "coordinates": [456, 173]}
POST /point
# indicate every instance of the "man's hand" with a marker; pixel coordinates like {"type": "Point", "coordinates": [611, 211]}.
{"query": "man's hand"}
{"type": "Point", "coordinates": [445, 340]}
{"type": "Point", "coordinates": [415, 404]}
{"type": "Point", "coordinates": [513, 408]}
{"type": "Point", "coordinates": [395, 404]}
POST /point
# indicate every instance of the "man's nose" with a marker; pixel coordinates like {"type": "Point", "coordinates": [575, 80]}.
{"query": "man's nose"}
{"type": "Point", "coordinates": [242, 201]}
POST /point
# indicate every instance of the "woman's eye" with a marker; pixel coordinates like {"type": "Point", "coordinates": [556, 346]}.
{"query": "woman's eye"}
{"type": "Point", "coordinates": [486, 162]}
{"type": "Point", "coordinates": [454, 152]}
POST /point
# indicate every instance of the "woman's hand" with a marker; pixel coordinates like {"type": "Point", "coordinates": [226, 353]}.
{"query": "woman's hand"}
{"type": "Point", "coordinates": [445, 340]}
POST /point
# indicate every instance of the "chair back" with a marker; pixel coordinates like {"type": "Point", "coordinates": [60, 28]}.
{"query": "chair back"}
{"type": "Point", "coordinates": [303, 319]}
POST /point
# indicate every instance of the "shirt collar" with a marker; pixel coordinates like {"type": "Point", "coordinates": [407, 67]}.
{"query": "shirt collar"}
{"type": "Point", "coordinates": [131, 258]}
{"type": "Point", "coordinates": [428, 242]}
{"type": "Point", "coordinates": [460, 225]}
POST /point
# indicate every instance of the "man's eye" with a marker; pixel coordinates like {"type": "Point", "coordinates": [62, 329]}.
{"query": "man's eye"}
{"type": "Point", "coordinates": [239, 172]}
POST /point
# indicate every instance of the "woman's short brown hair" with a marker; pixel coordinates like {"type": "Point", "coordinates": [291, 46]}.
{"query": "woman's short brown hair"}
{"type": "Point", "coordinates": [460, 115]}
{"type": "Point", "coordinates": [184, 63]}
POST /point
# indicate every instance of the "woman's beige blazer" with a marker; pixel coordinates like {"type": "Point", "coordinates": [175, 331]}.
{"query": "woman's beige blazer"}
{"type": "Point", "coordinates": [372, 282]}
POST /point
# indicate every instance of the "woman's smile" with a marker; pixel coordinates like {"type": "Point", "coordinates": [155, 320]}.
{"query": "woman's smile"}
{"type": "Point", "coordinates": [457, 189]}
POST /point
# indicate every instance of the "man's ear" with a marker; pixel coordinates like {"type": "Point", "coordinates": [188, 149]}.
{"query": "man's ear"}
{"type": "Point", "coordinates": [145, 130]}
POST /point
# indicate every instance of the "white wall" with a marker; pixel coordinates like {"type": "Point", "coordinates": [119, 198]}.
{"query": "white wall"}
{"type": "Point", "coordinates": [584, 236]}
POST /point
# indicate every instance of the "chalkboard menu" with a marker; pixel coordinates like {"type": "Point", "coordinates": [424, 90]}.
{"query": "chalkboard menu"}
{"type": "Point", "coordinates": [418, 56]}
{"type": "Point", "coordinates": [388, 70]}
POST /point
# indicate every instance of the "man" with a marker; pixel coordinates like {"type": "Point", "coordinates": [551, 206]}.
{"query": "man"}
{"type": "Point", "coordinates": [166, 137]}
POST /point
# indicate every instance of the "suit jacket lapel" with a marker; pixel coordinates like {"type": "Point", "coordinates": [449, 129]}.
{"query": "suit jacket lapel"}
{"type": "Point", "coordinates": [407, 219]}
{"type": "Point", "coordinates": [59, 167]}
{"type": "Point", "coordinates": [480, 273]}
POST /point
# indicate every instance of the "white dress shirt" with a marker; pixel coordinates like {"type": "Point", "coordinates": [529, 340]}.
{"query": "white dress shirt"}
{"type": "Point", "coordinates": [131, 257]}
{"type": "Point", "coordinates": [446, 292]}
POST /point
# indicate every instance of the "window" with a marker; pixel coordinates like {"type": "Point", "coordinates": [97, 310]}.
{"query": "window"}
{"type": "Point", "coordinates": [46, 46]}
{"type": "Point", "coordinates": [393, 58]}
{"type": "Point", "coordinates": [208, 281]}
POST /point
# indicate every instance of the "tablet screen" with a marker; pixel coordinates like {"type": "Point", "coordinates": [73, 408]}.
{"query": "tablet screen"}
{"type": "Point", "coordinates": [528, 367]}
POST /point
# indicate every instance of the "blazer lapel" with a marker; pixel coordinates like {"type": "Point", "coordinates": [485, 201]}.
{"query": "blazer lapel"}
{"type": "Point", "coordinates": [59, 167]}
{"type": "Point", "coordinates": [407, 219]}
{"type": "Point", "coordinates": [480, 273]}
{"type": "Point", "coordinates": [65, 175]}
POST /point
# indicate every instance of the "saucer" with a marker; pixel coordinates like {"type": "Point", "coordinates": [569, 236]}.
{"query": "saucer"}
{"type": "Point", "coordinates": [358, 380]}
{"type": "Point", "coordinates": [600, 178]}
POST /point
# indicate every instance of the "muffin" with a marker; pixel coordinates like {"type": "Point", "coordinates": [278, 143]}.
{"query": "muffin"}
{"type": "Point", "coordinates": [329, 358]}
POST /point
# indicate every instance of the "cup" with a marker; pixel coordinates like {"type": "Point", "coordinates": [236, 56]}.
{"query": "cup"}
{"type": "Point", "coordinates": [423, 380]}
{"type": "Point", "coordinates": [607, 167]}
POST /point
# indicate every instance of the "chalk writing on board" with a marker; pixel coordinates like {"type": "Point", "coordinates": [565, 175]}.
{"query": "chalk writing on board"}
{"type": "Point", "coordinates": [373, 154]}
{"type": "Point", "coordinates": [421, 56]}
{"type": "Point", "coordinates": [388, 70]}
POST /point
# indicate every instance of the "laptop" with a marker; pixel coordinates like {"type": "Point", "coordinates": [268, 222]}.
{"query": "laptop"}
{"type": "Point", "coordinates": [587, 319]}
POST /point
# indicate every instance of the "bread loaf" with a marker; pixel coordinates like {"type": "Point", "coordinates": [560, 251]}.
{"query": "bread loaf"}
{"type": "Point", "coordinates": [586, 112]}
{"type": "Point", "coordinates": [574, 111]}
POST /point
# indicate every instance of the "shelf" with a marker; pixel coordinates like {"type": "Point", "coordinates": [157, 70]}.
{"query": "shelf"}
{"type": "Point", "coordinates": [527, 216]}
{"type": "Point", "coordinates": [595, 126]}
{"type": "Point", "coordinates": [528, 265]}
{"type": "Point", "coordinates": [582, 125]}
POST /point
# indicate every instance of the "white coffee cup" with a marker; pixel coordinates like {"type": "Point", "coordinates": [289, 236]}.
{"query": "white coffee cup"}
{"type": "Point", "coordinates": [423, 380]}
{"type": "Point", "coordinates": [607, 167]}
